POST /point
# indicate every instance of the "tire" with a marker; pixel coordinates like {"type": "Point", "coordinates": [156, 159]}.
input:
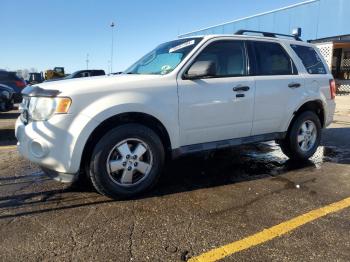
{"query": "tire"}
{"type": "Point", "coordinates": [119, 146]}
{"type": "Point", "coordinates": [2, 107]}
{"type": "Point", "coordinates": [9, 105]}
{"type": "Point", "coordinates": [301, 142]}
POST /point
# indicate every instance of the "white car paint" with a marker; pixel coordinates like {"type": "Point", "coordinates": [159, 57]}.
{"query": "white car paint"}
{"type": "Point", "coordinates": [192, 112]}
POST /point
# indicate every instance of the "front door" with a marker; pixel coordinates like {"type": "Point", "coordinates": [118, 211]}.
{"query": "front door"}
{"type": "Point", "coordinates": [278, 86]}
{"type": "Point", "coordinates": [218, 107]}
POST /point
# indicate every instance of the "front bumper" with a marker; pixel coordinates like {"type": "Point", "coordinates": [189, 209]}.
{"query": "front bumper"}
{"type": "Point", "coordinates": [48, 144]}
{"type": "Point", "coordinates": [60, 177]}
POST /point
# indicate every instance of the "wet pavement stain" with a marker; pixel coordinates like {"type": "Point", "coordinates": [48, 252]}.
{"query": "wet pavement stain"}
{"type": "Point", "coordinates": [249, 162]}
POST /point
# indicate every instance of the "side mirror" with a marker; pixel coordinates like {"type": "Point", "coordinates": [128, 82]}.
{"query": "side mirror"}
{"type": "Point", "coordinates": [201, 69]}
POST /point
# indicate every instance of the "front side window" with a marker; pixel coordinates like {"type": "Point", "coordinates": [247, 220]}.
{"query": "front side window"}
{"type": "Point", "coordinates": [165, 58]}
{"type": "Point", "coordinates": [310, 59]}
{"type": "Point", "coordinates": [228, 56]}
{"type": "Point", "coordinates": [272, 59]}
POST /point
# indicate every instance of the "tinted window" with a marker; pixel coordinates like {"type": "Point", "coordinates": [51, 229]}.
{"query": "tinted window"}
{"type": "Point", "coordinates": [98, 73]}
{"type": "Point", "coordinates": [228, 56]}
{"type": "Point", "coordinates": [272, 59]}
{"type": "Point", "coordinates": [310, 59]}
{"type": "Point", "coordinates": [82, 74]}
{"type": "Point", "coordinates": [4, 75]}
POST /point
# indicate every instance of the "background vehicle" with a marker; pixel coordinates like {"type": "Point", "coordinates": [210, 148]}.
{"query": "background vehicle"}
{"type": "Point", "coordinates": [35, 78]}
{"type": "Point", "coordinates": [86, 73]}
{"type": "Point", "coordinates": [56, 73]}
{"type": "Point", "coordinates": [6, 98]}
{"type": "Point", "coordinates": [187, 95]}
{"type": "Point", "coordinates": [12, 80]}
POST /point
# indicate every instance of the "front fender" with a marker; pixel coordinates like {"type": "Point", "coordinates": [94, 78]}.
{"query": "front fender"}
{"type": "Point", "coordinates": [102, 109]}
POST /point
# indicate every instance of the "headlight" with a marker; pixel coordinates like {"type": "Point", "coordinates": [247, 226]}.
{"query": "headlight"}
{"type": "Point", "coordinates": [43, 108]}
{"type": "Point", "coordinates": [5, 94]}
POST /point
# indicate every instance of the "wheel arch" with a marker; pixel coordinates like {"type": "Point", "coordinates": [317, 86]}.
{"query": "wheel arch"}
{"type": "Point", "coordinates": [124, 118]}
{"type": "Point", "coordinates": [315, 106]}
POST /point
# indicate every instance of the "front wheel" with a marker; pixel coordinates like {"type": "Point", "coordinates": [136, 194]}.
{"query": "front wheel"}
{"type": "Point", "coordinates": [127, 161]}
{"type": "Point", "coordinates": [9, 105]}
{"type": "Point", "coordinates": [304, 137]}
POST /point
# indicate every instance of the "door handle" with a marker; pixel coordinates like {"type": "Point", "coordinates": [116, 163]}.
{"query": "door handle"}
{"type": "Point", "coordinates": [294, 85]}
{"type": "Point", "coordinates": [241, 88]}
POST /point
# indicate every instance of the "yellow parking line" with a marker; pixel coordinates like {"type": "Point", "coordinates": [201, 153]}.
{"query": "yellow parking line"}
{"type": "Point", "coordinates": [7, 147]}
{"type": "Point", "coordinates": [270, 233]}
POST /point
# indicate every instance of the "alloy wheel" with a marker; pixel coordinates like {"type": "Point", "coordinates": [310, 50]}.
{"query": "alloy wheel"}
{"type": "Point", "coordinates": [129, 162]}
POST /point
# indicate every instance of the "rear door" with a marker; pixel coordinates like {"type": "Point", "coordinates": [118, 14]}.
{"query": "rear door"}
{"type": "Point", "coordinates": [278, 85]}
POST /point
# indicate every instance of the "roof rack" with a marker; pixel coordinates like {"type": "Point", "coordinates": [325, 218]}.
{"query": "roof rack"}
{"type": "Point", "coordinates": [267, 34]}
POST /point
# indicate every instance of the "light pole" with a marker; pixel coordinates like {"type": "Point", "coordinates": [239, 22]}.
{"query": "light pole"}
{"type": "Point", "coordinates": [109, 65]}
{"type": "Point", "coordinates": [87, 61]}
{"type": "Point", "coordinates": [112, 47]}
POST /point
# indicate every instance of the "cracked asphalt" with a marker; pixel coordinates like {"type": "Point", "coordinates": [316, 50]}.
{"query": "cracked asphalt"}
{"type": "Point", "coordinates": [202, 202]}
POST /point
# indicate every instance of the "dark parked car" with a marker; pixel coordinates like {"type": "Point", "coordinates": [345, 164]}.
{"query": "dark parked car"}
{"type": "Point", "coordinates": [12, 80]}
{"type": "Point", "coordinates": [6, 98]}
{"type": "Point", "coordinates": [86, 73]}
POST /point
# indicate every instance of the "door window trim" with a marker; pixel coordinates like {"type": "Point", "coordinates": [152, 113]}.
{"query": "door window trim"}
{"type": "Point", "coordinates": [254, 62]}
{"type": "Point", "coordinates": [205, 45]}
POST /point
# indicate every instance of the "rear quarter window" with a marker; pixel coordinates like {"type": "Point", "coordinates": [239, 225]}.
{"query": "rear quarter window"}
{"type": "Point", "coordinates": [310, 59]}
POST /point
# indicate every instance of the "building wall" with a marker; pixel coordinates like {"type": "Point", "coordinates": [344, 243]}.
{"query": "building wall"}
{"type": "Point", "coordinates": [317, 18]}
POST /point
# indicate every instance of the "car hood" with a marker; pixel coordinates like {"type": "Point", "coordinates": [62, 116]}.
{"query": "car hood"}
{"type": "Point", "coordinates": [106, 83]}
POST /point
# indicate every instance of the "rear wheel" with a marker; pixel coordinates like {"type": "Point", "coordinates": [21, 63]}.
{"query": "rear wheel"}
{"type": "Point", "coordinates": [303, 137]}
{"type": "Point", "coordinates": [127, 161]}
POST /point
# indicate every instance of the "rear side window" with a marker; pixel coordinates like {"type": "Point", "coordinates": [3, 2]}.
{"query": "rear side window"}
{"type": "Point", "coordinates": [310, 59]}
{"type": "Point", "coordinates": [272, 59]}
{"type": "Point", "coordinates": [8, 76]}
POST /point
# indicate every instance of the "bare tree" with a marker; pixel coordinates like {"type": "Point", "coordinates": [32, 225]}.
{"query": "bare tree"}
{"type": "Point", "coordinates": [24, 73]}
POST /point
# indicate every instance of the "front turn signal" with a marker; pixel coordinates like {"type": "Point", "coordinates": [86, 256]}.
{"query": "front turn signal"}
{"type": "Point", "coordinates": [63, 105]}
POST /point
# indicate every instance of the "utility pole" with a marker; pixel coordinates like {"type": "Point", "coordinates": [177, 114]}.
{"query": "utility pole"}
{"type": "Point", "coordinates": [87, 61]}
{"type": "Point", "coordinates": [112, 47]}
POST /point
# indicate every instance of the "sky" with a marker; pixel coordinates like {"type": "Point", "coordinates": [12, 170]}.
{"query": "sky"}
{"type": "Point", "coordinates": [43, 34]}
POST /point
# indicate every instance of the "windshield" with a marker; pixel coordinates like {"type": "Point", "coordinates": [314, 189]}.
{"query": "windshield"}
{"type": "Point", "coordinates": [165, 58]}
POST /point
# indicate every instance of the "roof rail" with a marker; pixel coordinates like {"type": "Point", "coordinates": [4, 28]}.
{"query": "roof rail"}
{"type": "Point", "coordinates": [267, 34]}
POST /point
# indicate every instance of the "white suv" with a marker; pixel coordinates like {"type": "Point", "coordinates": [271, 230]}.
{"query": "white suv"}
{"type": "Point", "coordinates": [185, 96]}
